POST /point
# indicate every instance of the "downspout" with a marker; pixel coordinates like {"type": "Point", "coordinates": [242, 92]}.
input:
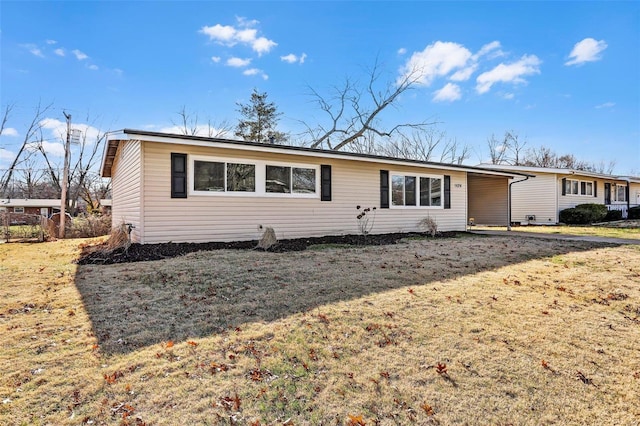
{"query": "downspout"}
{"type": "Point", "coordinates": [509, 202]}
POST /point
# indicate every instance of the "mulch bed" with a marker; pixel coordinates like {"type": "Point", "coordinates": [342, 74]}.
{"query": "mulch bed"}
{"type": "Point", "coordinates": [144, 252]}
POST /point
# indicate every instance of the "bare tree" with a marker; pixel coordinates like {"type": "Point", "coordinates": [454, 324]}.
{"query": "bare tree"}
{"type": "Point", "coordinates": [354, 110]}
{"type": "Point", "coordinates": [516, 148]}
{"type": "Point", "coordinates": [497, 149]}
{"type": "Point", "coordinates": [419, 145]}
{"type": "Point", "coordinates": [454, 153]}
{"type": "Point", "coordinates": [189, 125]}
{"type": "Point", "coordinates": [33, 129]}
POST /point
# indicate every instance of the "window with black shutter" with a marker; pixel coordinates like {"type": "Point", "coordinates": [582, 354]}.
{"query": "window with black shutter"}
{"type": "Point", "coordinates": [325, 182]}
{"type": "Point", "coordinates": [178, 175]}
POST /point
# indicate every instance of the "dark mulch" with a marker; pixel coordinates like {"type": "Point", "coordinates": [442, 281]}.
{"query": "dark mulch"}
{"type": "Point", "coordinates": [144, 252]}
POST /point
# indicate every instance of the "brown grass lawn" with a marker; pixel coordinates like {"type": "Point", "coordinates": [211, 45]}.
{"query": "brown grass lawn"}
{"type": "Point", "coordinates": [469, 330]}
{"type": "Point", "coordinates": [628, 229]}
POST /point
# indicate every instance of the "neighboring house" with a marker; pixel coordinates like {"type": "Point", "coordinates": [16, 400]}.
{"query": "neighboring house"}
{"type": "Point", "coordinates": [29, 206]}
{"type": "Point", "coordinates": [540, 199]}
{"type": "Point", "coordinates": [195, 189]}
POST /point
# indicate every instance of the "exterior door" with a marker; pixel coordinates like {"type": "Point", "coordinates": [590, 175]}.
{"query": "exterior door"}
{"type": "Point", "coordinates": [44, 211]}
{"type": "Point", "coordinates": [607, 194]}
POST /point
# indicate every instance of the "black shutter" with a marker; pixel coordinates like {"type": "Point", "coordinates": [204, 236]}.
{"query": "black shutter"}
{"type": "Point", "coordinates": [583, 188]}
{"type": "Point", "coordinates": [564, 186]}
{"type": "Point", "coordinates": [178, 175]}
{"type": "Point", "coordinates": [595, 188]}
{"type": "Point", "coordinates": [384, 189]}
{"type": "Point", "coordinates": [325, 182]}
{"type": "Point", "coordinates": [447, 192]}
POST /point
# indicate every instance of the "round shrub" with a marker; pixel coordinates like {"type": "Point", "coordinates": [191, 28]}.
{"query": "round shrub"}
{"type": "Point", "coordinates": [634, 213]}
{"type": "Point", "coordinates": [613, 215]}
{"type": "Point", "coordinates": [574, 216]}
{"type": "Point", "coordinates": [584, 214]}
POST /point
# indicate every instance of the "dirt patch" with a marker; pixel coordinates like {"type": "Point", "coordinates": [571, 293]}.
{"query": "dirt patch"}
{"type": "Point", "coordinates": [92, 255]}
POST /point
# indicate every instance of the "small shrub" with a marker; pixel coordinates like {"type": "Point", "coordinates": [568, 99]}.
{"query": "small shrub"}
{"type": "Point", "coordinates": [583, 214]}
{"type": "Point", "coordinates": [634, 213]}
{"type": "Point", "coordinates": [88, 226]}
{"type": "Point", "coordinates": [429, 224]}
{"type": "Point", "coordinates": [366, 218]}
{"type": "Point", "coordinates": [613, 215]}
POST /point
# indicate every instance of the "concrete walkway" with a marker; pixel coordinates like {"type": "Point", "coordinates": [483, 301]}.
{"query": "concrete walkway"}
{"type": "Point", "coordinates": [566, 237]}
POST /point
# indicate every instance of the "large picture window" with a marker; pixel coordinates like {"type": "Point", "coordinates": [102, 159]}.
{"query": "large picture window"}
{"type": "Point", "coordinates": [413, 190]}
{"type": "Point", "coordinates": [220, 177]}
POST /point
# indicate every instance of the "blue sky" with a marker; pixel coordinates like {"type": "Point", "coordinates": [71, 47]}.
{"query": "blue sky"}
{"type": "Point", "coordinates": [560, 74]}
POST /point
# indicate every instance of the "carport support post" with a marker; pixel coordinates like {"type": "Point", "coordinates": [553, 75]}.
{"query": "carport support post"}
{"type": "Point", "coordinates": [509, 201]}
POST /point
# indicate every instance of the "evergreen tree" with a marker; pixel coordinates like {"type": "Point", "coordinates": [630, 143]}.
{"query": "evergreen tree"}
{"type": "Point", "coordinates": [258, 120]}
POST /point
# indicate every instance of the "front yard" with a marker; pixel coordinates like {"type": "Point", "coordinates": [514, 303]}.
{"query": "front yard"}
{"type": "Point", "coordinates": [475, 330]}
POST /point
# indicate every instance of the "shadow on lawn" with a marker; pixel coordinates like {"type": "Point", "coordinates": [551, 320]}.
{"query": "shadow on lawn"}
{"type": "Point", "coordinates": [135, 305]}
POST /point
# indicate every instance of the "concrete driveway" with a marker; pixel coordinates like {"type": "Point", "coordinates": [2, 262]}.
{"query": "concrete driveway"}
{"type": "Point", "coordinates": [567, 237]}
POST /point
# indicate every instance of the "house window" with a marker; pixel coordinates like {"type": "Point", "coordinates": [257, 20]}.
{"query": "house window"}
{"type": "Point", "coordinates": [18, 209]}
{"type": "Point", "coordinates": [220, 177]}
{"type": "Point", "coordinates": [586, 188]}
{"type": "Point", "coordinates": [620, 194]}
{"type": "Point", "coordinates": [578, 187]}
{"type": "Point", "coordinates": [405, 191]}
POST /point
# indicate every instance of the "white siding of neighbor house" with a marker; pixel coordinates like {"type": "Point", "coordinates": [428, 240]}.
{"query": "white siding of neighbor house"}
{"type": "Point", "coordinates": [488, 200]}
{"type": "Point", "coordinates": [126, 188]}
{"type": "Point", "coordinates": [571, 200]}
{"type": "Point", "coordinates": [634, 193]}
{"type": "Point", "coordinates": [535, 197]}
{"type": "Point", "coordinates": [202, 218]}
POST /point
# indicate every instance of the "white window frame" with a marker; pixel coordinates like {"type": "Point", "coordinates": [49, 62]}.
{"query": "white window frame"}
{"type": "Point", "coordinates": [19, 210]}
{"type": "Point", "coordinates": [570, 184]}
{"type": "Point", "coordinates": [624, 193]}
{"type": "Point", "coordinates": [417, 176]}
{"type": "Point", "coordinates": [260, 177]}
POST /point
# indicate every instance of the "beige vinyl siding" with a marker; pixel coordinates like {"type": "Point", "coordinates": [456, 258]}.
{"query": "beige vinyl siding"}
{"type": "Point", "coordinates": [634, 193]}
{"type": "Point", "coordinates": [219, 217]}
{"type": "Point", "coordinates": [488, 201]}
{"type": "Point", "coordinates": [535, 197]}
{"type": "Point", "coordinates": [126, 188]}
{"type": "Point", "coordinates": [571, 200]}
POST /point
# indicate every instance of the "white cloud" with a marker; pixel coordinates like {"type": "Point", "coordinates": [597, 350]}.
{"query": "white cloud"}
{"type": "Point", "coordinates": [215, 59]}
{"type": "Point", "coordinates": [55, 149]}
{"type": "Point", "coordinates": [508, 96]}
{"type": "Point", "coordinates": [587, 50]}
{"type": "Point", "coordinates": [51, 42]}
{"type": "Point", "coordinates": [34, 50]}
{"type": "Point", "coordinates": [81, 56]}
{"type": "Point", "coordinates": [58, 129]}
{"type": "Point", "coordinates": [509, 73]}
{"type": "Point", "coordinates": [449, 93]}
{"type": "Point", "coordinates": [464, 74]}
{"type": "Point", "coordinates": [292, 59]}
{"type": "Point", "coordinates": [402, 51]}
{"type": "Point", "coordinates": [256, 71]}
{"type": "Point", "coordinates": [606, 105]}
{"type": "Point", "coordinates": [436, 60]}
{"type": "Point", "coordinates": [9, 131]}
{"type": "Point", "coordinates": [245, 34]}
{"type": "Point", "coordinates": [93, 67]}
{"type": "Point", "coordinates": [238, 62]}
{"type": "Point", "coordinates": [59, 52]}
{"type": "Point", "coordinates": [6, 155]}
{"type": "Point", "coordinates": [490, 49]}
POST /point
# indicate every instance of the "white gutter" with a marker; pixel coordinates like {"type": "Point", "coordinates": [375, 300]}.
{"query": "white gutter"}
{"type": "Point", "coordinates": [509, 201]}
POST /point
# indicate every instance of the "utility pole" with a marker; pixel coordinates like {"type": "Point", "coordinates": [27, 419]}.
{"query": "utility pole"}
{"type": "Point", "coordinates": [65, 178]}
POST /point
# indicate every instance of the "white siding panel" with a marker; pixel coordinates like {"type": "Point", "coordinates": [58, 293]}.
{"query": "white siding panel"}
{"type": "Point", "coordinates": [488, 202]}
{"type": "Point", "coordinates": [126, 188]}
{"type": "Point", "coordinates": [201, 218]}
{"type": "Point", "coordinates": [535, 197]}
